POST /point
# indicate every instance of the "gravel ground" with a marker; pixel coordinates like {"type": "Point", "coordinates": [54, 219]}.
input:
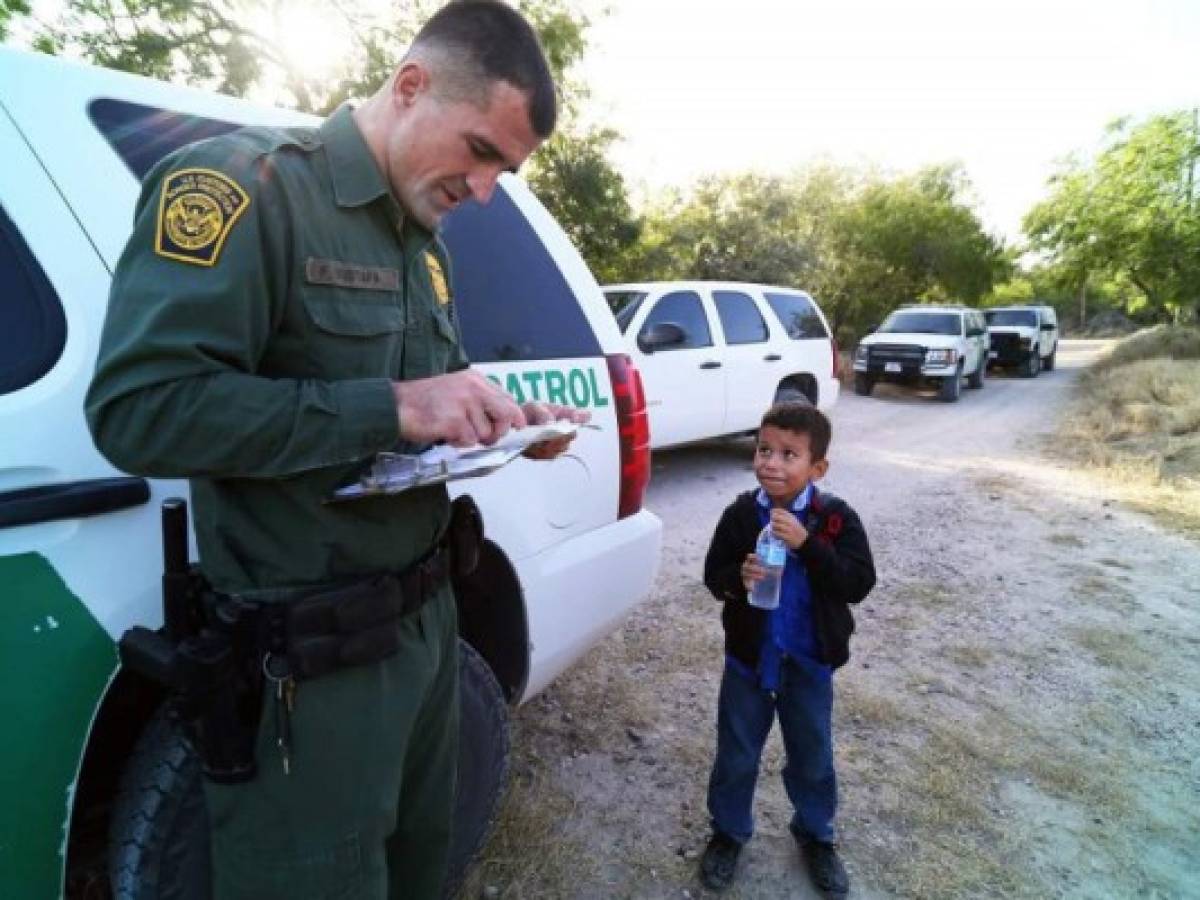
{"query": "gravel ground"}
{"type": "Point", "coordinates": [1021, 715]}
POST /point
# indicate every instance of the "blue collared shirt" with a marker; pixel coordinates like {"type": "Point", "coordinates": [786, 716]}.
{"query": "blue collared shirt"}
{"type": "Point", "coordinates": [789, 631]}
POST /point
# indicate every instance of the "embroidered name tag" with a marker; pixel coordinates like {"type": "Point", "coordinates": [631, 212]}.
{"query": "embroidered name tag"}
{"type": "Point", "coordinates": [349, 275]}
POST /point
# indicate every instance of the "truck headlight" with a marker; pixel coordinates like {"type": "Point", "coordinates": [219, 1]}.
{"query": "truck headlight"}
{"type": "Point", "coordinates": [861, 354]}
{"type": "Point", "coordinates": [940, 357]}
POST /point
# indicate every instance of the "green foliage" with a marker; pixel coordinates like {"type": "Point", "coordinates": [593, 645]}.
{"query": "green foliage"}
{"type": "Point", "coordinates": [10, 10]}
{"type": "Point", "coordinates": [235, 46]}
{"type": "Point", "coordinates": [862, 244]}
{"type": "Point", "coordinates": [574, 179]}
{"type": "Point", "coordinates": [1132, 214]}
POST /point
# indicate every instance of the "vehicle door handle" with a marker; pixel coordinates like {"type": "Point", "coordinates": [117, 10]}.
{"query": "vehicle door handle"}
{"type": "Point", "coordinates": [772, 357]}
{"type": "Point", "coordinates": [71, 499]}
{"type": "Point", "coordinates": [711, 364]}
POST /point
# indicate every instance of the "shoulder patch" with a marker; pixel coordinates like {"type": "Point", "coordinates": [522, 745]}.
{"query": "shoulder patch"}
{"type": "Point", "coordinates": [441, 288]}
{"type": "Point", "coordinates": [196, 211]}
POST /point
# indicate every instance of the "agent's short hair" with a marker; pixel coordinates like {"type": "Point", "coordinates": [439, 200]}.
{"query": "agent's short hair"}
{"type": "Point", "coordinates": [802, 418]}
{"type": "Point", "coordinates": [485, 41]}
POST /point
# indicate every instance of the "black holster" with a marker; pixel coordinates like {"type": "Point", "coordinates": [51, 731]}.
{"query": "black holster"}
{"type": "Point", "coordinates": [204, 656]}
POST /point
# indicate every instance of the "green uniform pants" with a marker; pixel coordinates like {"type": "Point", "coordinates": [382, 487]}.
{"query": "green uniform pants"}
{"type": "Point", "coordinates": [366, 811]}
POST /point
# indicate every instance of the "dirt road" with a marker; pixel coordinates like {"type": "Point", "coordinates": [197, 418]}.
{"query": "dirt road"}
{"type": "Point", "coordinates": [1021, 715]}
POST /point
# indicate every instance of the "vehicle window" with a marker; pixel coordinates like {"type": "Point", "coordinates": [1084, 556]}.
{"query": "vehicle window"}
{"type": "Point", "coordinates": [624, 306]}
{"type": "Point", "coordinates": [1011, 317]}
{"type": "Point", "coordinates": [142, 135]}
{"type": "Point", "coordinates": [685, 310]}
{"type": "Point", "coordinates": [740, 318]}
{"type": "Point", "coordinates": [33, 329]}
{"type": "Point", "coordinates": [510, 296]}
{"type": "Point", "coordinates": [912, 322]}
{"type": "Point", "coordinates": [798, 314]}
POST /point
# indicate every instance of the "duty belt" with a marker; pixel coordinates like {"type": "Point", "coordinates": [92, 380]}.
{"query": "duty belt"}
{"type": "Point", "coordinates": [350, 625]}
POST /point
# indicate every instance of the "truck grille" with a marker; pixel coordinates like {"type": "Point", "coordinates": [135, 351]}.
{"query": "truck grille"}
{"type": "Point", "coordinates": [1006, 343]}
{"type": "Point", "coordinates": [907, 355]}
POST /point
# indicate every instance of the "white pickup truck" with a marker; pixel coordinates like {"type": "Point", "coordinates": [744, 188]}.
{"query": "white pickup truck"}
{"type": "Point", "coordinates": [102, 797]}
{"type": "Point", "coordinates": [1023, 337]}
{"type": "Point", "coordinates": [924, 345]}
{"type": "Point", "coordinates": [714, 356]}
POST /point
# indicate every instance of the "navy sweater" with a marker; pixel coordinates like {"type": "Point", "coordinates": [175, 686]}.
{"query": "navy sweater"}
{"type": "Point", "coordinates": [836, 556]}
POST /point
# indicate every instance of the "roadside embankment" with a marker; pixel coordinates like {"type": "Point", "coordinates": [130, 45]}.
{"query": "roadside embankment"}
{"type": "Point", "coordinates": [1135, 419]}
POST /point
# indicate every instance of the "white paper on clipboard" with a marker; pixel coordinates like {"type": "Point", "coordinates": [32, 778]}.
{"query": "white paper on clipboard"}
{"type": "Point", "coordinates": [392, 473]}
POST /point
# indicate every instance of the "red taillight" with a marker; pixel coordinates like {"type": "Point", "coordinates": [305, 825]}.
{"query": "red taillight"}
{"type": "Point", "coordinates": [837, 360]}
{"type": "Point", "coordinates": [633, 428]}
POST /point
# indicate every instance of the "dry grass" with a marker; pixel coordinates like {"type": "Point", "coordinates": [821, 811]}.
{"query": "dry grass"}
{"type": "Point", "coordinates": [1136, 420]}
{"type": "Point", "coordinates": [532, 815]}
{"type": "Point", "coordinates": [1162, 341]}
{"type": "Point", "coordinates": [1115, 649]}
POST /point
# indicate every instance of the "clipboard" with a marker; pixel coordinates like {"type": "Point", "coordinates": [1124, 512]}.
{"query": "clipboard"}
{"type": "Point", "coordinates": [394, 473]}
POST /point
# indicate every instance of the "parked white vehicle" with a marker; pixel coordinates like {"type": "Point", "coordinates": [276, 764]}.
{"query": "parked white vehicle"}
{"type": "Point", "coordinates": [714, 356]}
{"type": "Point", "coordinates": [570, 549]}
{"type": "Point", "coordinates": [924, 344]}
{"type": "Point", "coordinates": [1023, 337]}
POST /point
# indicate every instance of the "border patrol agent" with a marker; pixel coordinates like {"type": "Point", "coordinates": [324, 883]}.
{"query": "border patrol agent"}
{"type": "Point", "coordinates": [281, 313]}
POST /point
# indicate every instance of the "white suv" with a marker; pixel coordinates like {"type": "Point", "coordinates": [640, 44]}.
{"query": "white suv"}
{"type": "Point", "coordinates": [714, 356]}
{"type": "Point", "coordinates": [922, 344]}
{"type": "Point", "coordinates": [1024, 337]}
{"type": "Point", "coordinates": [97, 781]}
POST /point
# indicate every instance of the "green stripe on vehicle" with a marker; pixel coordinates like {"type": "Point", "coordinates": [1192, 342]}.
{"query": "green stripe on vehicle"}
{"type": "Point", "coordinates": [57, 661]}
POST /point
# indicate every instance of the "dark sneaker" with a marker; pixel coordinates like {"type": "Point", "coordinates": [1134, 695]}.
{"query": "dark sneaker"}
{"type": "Point", "coordinates": [719, 861]}
{"type": "Point", "coordinates": [824, 867]}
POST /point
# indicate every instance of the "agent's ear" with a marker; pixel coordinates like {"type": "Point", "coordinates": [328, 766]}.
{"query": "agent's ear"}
{"type": "Point", "coordinates": [819, 468]}
{"type": "Point", "coordinates": [411, 80]}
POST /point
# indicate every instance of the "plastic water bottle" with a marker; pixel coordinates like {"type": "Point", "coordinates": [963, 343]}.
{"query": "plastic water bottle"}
{"type": "Point", "coordinates": [772, 553]}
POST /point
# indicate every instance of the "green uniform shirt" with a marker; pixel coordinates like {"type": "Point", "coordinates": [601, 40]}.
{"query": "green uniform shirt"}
{"type": "Point", "coordinates": [270, 292]}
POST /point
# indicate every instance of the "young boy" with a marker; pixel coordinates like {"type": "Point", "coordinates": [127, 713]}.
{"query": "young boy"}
{"type": "Point", "coordinates": [782, 661]}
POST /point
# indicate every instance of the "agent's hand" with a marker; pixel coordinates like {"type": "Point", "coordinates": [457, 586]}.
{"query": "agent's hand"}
{"type": "Point", "coordinates": [462, 409]}
{"type": "Point", "coordinates": [543, 413]}
{"type": "Point", "coordinates": [753, 571]}
{"type": "Point", "coordinates": [788, 528]}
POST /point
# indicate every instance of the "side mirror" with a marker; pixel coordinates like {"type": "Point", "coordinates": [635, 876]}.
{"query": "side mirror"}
{"type": "Point", "coordinates": [660, 335]}
{"type": "Point", "coordinates": [871, 329]}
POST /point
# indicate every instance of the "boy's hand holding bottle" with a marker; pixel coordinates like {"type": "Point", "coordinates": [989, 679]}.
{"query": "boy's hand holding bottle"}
{"type": "Point", "coordinates": [762, 570]}
{"type": "Point", "coordinates": [788, 529]}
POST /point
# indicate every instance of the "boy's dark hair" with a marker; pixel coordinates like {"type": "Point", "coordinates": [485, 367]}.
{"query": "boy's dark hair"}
{"type": "Point", "coordinates": [499, 45]}
{"type": "Point", "coordinates": [802, 418]}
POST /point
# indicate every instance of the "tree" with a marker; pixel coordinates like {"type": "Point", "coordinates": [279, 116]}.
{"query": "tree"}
{"type": "Point", "coordinates": [9, 10]}
{"type": "Point", "coordinates": [1133, 213]}
{"type": "Point", "coordinates": [574, 179]}
{"type": "Point", "coordinates": [234, 46]}
{"type": "Point", "coordinates": [915, 239]}
{"type": "Point", "coordinates": [860, 243]}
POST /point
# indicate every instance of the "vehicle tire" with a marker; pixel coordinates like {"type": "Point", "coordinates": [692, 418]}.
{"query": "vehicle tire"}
{"type": "Point", "coordinates": [975, 379]}
{"type": "Point", "coordinates": [158, 838]}
{"type": "Point", "coordinates": [483, 754]}
{"type": "Point", "coordinates": [951, 387]}
{"type": "Point", "coordinates": [863, 384]}
{"type": "Point", "coordinates": [1048, 362]}
{"type": "Point", "coordinates": [1033, 365]}
{"type": "Point", "coordinates": [787, 393]}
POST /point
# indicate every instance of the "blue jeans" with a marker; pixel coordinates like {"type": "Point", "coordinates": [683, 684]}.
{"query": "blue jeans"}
{"type": "Point", "coordinates": [745, 713]}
